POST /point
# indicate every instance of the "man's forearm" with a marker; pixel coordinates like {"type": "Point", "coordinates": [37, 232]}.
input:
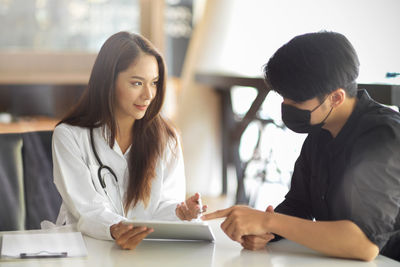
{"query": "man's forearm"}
{"type": "Point", "coordinates": [335, 238]}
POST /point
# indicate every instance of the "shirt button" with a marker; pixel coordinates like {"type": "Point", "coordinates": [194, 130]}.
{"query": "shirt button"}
{"type": "Point", "coordinates": [323, 197]}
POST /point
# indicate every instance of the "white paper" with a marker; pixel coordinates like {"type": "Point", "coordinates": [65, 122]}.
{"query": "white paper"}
{"type": "Point", "coordinates": [15, 244]}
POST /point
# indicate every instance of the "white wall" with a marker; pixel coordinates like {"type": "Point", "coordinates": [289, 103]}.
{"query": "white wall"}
{"type": "Point", "coordinates": [255, 29]}
{"type": "Point", "coordinates": [198, 105]}
{"type": "Point", "coordinates": [239, 36]}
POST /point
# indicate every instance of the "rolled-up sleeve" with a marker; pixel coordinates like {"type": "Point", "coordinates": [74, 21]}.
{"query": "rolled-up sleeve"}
{"type": "Point", "coordinates": [72, 178]}
{"type": "Point", "coordinates": [372, 184]}
{"type": "Point", "coordinates": [173, 184]}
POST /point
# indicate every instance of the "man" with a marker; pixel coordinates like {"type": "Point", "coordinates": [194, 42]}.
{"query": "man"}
{"type": "Point", "coordinates": [344, 199]}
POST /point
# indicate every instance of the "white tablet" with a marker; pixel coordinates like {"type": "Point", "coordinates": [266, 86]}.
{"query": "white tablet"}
{"type": "Point", "coordinates": [178, 230]}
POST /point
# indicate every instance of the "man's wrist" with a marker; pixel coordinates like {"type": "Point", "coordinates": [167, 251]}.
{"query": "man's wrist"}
{"type": "Point", "coordinates": [269, 222]}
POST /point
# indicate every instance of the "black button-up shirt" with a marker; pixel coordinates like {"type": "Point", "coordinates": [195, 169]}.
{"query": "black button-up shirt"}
{"type": "Point", "coordinates": [355, 176]}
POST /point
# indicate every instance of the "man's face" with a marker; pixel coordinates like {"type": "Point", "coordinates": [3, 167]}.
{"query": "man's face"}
{"type": "Point", "coordinates": [320, 110]}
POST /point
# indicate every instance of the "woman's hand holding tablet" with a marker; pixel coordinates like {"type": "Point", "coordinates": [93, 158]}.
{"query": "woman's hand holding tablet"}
{"type": "Point", "coordinates": [175, 230]}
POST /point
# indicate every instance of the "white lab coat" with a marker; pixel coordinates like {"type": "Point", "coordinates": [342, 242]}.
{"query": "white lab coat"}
{"type": "Point", "coordinates": [85, 203]}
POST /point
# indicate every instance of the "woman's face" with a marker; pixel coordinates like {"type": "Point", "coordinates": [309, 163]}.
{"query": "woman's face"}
{"type": "Point", "coordinates": [135, 88]}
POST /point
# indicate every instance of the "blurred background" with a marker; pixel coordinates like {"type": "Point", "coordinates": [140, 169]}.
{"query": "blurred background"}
{"type": "Point", "coordinates": [236, 148]}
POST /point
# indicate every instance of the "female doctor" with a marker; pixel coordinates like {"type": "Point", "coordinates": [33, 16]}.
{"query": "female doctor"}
{"type": "Point", "coordinates": [115, 158]}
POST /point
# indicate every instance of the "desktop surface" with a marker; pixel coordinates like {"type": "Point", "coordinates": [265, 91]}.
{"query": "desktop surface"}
{"type": "Point", "coordinates": [222, 252]}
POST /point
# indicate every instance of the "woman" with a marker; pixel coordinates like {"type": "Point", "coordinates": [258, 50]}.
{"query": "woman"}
{"type": "Point", "coordinates": [115, 157]}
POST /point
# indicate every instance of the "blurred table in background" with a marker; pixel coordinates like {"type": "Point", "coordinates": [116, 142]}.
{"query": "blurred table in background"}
{"type": "Point", "coordinates": [37, 100]}
{"type": "Point", "coordinates": [29, 124]}
{"type": "Point", "coordinates": [233, 128]}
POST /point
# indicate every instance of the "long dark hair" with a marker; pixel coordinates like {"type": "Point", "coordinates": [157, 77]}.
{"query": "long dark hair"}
{"type": "Point", "coordinates": [150, 135]}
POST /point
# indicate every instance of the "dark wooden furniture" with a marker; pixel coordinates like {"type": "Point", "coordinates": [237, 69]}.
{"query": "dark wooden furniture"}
{"type": "Point", "coordinates": [388, 94]}
{"type": "Point", "coordinates": [233, 128]}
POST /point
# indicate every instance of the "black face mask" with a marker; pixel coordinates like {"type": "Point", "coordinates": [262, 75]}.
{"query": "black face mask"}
{"type": "Point", "coordinates": [298, 120]}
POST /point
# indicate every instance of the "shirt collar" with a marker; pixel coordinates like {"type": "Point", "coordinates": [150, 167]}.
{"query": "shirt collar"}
{"type": "Point", "coordinates": [105, 131]}
{"type": "Point", "coordinates": [363, 102]}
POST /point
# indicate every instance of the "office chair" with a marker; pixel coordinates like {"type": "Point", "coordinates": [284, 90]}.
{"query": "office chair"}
{"type": "Point", "coordinates": [27, 192]}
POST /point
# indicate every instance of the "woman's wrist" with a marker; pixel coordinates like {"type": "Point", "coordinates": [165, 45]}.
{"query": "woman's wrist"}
{"type": "Point", "coordinates": [112, 227]}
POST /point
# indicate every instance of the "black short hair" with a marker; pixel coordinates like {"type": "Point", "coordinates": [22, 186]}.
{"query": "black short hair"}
{"type": "Point", "coordinates": [313, 65]}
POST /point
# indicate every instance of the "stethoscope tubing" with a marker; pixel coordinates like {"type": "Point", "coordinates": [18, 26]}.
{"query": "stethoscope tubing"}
{"type": "Point", "coordinates": [101, 179]}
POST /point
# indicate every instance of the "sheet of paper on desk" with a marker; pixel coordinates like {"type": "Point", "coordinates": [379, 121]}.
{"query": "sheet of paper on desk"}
{"type": "Point", "coordinates": [35, 243]}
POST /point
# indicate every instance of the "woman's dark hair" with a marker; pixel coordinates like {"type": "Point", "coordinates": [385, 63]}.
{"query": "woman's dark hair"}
{"type": "Point", "coordinates": [313, 65]}
{"type": "Point", "coordinates": [150, 135]}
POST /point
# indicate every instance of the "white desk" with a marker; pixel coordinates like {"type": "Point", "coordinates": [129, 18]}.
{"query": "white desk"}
{"type": "Point", "coordinates": [223, 252]}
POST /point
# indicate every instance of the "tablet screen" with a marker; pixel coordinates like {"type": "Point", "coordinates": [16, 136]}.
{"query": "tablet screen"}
{"type": "Point", "coordinates": [178, 230]}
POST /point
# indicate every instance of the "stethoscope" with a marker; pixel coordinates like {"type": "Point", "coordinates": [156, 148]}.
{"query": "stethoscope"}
{"type": "Point", "coordinates": [101, 179]}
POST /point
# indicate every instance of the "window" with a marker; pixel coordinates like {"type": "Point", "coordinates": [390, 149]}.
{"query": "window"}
{"type": "Point", "coordinates": [64, 25]}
